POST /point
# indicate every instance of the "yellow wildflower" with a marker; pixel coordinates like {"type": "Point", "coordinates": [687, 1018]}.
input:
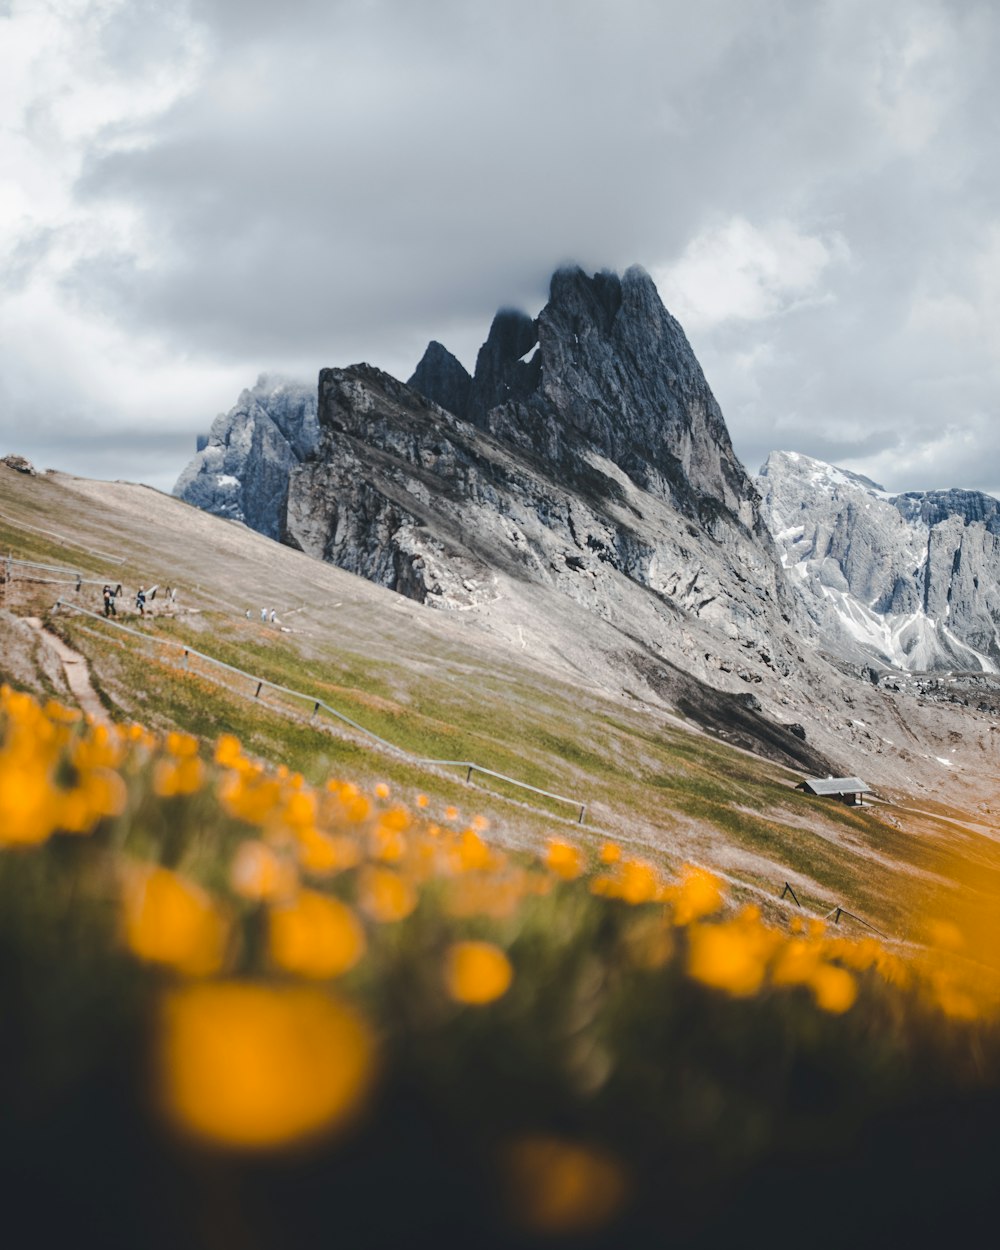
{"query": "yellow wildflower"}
{"type": "Point", "coordinates": [183, 774]}
{"type": "Point", "coordinates": [563, 859]}
{"type": "Point", "coordinates": [258, 1067]}
{"type": "Point", "coordinates": [258, 872]}
{"type": "Point", "coordinates": [477, 972]}
{"type": "Point", "coordinates": [228, 751]}
{"type": "Point", "coordinates": [731, 955]}
{"type": "Point", "coordinates": [315, 936]}
{"type": "Point", "coordinates": [385, 896]}
{"type": "Point", "coordinates": [323, 854]}
{"type": "Point", "coordinates": [699, 893]}
{"type": "Point", "coordinates": [172, 921]}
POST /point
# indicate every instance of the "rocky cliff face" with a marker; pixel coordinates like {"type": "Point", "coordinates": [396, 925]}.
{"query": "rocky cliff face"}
{"type": "Point", "coordinates": [592, 464]}
{"type": "Point", "coordinates": [243, 471]}
{"type": "Point", "coordinates": [911, 580]}
{"type": "Point", "coordinates": [595, 461]}
{"type": "Point", "coordinates": [443, 379]}
{"type": "Point", "coordinates": [606, 370]}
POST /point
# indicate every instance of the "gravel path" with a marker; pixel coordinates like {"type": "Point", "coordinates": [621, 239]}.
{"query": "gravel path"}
{"type": "Point", "coordinates": [77, 673]}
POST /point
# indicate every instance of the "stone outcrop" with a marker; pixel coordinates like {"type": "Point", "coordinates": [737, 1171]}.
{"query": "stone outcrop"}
{"type": "Point", "coordinates": [911, 580]}
{"type": "Point", "coordinates": [242, 472]}
{"type": "Point", "coordinates": [613, 374]}
{"type": "Point", "coordinates": [20, 464]}
{"type": "Point", "coordinates": [593, 461]}
{"type": "Point", "coordinates": [442, 379]}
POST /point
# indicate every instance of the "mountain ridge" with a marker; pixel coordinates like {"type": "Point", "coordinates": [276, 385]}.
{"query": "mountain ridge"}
{"type": "Point", "coordinates": [910, 580]}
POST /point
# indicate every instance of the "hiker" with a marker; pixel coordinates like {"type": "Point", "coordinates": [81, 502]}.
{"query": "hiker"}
{"type": "Point", "coordinates": [140, 602]}
{"type": "Point", "coordinates": [107, 601]}
{"type": "Point", "coordinates": [263, 615]}
{"type": "Point", "coordinates": [274, 616]}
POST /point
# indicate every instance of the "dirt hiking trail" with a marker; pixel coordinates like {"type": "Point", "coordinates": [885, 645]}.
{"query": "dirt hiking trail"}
{"type": "Point", "coordinates": [77, 673]}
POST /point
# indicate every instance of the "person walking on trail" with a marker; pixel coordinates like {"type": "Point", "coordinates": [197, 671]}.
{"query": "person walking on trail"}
{"type": "Point", "coordinates": [274, 616]}
{"type": "Point", "coordinates": [263, 614]}
{"type": "Point", "coordinates": [140, 602]}
{"type": "Point", "coordinates": [107, 600]}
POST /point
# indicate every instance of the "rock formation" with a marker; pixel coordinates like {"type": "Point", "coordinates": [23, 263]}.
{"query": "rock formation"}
{"type": "Point", "coordinates": [243, 471]}
{"type": "Point", "coordinates": [443, 379]}
{"type": "Point", "coordinates": [595, 461]}
{"type": "Point", "coordinates": [613, 375]}
{"type": "Point", "coordinates": [910, 580]}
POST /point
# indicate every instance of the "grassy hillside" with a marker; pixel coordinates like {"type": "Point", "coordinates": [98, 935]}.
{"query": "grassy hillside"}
{"type": "Point", "coordinates": [436, 687]}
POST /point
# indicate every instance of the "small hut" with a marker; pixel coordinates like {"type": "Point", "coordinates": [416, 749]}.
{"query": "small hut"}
{"type": "Point", "coordinates": [848, 789]}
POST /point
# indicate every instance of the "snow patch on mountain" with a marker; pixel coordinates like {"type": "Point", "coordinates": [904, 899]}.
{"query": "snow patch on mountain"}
{"type": "Point", "coordinates": [911, 581]}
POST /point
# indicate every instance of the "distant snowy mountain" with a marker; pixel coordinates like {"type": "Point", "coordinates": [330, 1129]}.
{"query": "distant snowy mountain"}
{"type": "Point", "coordinates": [909, 580]}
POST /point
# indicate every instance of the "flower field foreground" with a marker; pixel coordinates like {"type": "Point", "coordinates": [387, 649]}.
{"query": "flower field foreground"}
{"type": "Point", "coordinates": [240, 1011]}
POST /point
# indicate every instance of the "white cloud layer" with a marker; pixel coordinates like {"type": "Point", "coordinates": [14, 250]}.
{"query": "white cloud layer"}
{"type": "Point", "coordinates": [739, 272]}
{"type": "Point", "coordinates": [193, 193]}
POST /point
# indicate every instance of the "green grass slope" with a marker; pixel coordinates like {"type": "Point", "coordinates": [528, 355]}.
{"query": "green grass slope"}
{"type": "Point", "coordinates": [436, 685]}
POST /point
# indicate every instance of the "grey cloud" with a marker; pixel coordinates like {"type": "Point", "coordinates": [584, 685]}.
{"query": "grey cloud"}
{"type": "Point", "coordinates": [349, 180]}
{"type": "Point", "coordinates": [455, 168]}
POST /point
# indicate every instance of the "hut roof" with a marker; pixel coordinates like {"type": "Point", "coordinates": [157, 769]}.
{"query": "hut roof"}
{"type": "Point", "coordinates": [834, 785]}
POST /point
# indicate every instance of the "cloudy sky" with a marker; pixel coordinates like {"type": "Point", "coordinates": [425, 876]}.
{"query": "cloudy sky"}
{"type": "Point", "coordinates": [192, 193]}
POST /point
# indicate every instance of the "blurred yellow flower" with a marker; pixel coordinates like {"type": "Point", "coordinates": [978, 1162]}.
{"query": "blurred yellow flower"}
{"type": "Point", "coordinates": [182, 745]}
{"type": "Point", "coordinates": [387, 844]}
{"type": "Point", "coordinates": [183, 774]}
{"type": "Point", "coordinates": [258, 1067]}
{"type": "Point", "coordinates": [170, 920]}
{"type": "Point", "coordinates": [699, 893]}
{"type": "Point", "coordinates": [476, 972]}
{"type": "Point", "coordinates": [249, 795]}
{"type": "Point", "coordinates": [102, 747]}
{"type": "Point", "coordinates": [801, 961]}
{"type": "Point", "coordinates": [384, 895]}
{"type": "Point", "coordinates": [258, 873]}
{"type": "Point", "coordinates": [473, 853]}
{"type": "Point", "coordinates": [480, 895]}
{"type": "Point", "coordinates": [730, 956]}
{"type": "Point", "coordinates": [637, 882]}
{"type": "Point", "coordinates": [315, 936]}
{"type": "Point", "coordinates": [563, 859]}
{"type": "Point", "coordinates": [228, 751]}
{"type": "Point", "coordinates": [560, 1187]}
{"type": "Point", "coordinates": [99, 792]}
{"type": "Point", "coordinates": [60, 713]}
{"type": "Point", "coordinates": [611, 853]}
{"type": "Point", "coordinates": [834, 989]}
{"type": "Point", "coordinates": [323, 854]}
{"type": "Point", "coordinates": [29, 804]}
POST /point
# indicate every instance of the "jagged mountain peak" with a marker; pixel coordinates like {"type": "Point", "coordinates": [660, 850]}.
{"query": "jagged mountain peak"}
{"type": "Point", "coordinates": [442, 378]}
{"type": "Point", "coordinates": [613, 376]}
